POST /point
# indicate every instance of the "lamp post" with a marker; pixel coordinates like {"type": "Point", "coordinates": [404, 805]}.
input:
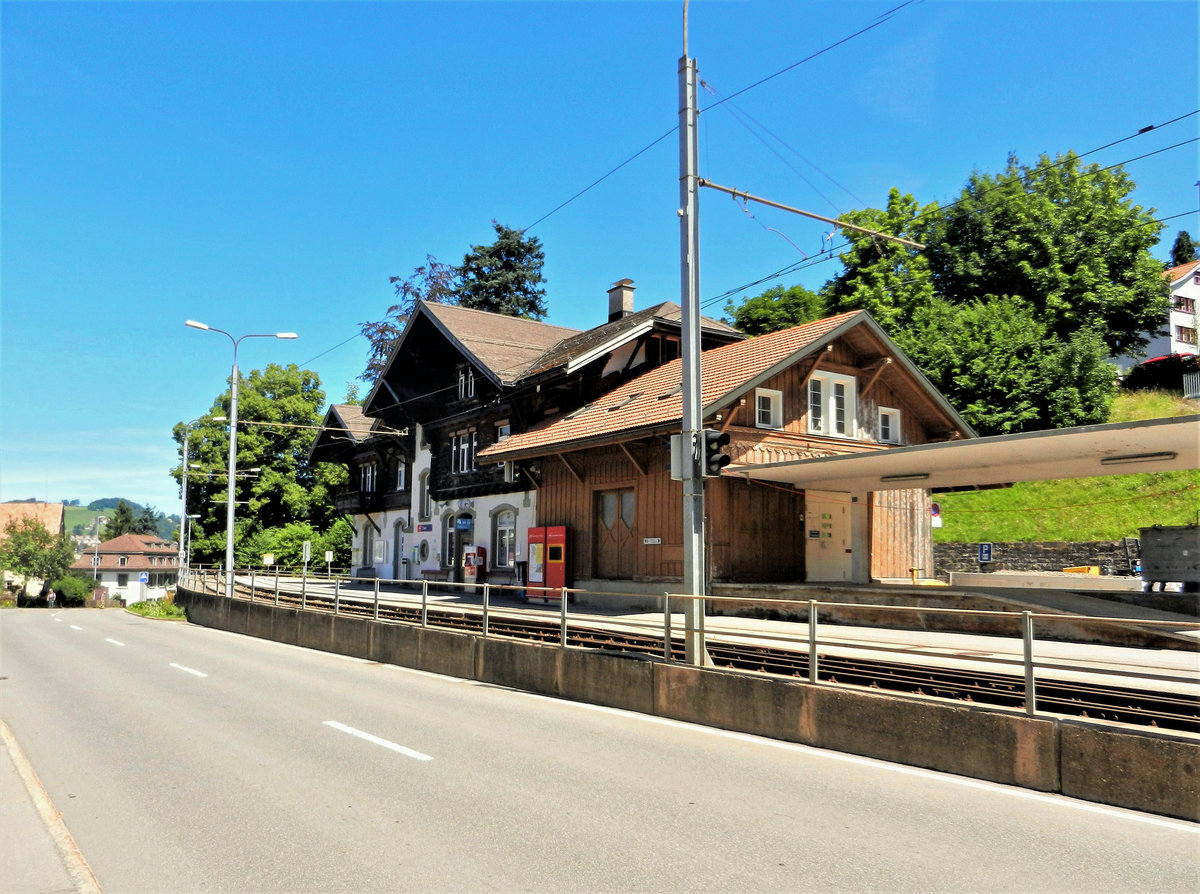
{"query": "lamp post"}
{"type": "Point", "coordinates": [233, 418]}
{"type": "Point", "coordinates": [187, 555]}
{"type": "Point", "coordinates": [183, 516]}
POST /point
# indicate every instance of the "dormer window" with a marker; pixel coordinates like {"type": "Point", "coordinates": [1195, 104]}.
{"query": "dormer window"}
{"type": "Point", "coordinates": [122, 561]}
{"type": "Point", "coordinates": [366, 478]}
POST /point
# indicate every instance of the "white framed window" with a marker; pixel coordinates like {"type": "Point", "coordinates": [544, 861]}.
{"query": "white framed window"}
{"type": "Point", "coordinates": [503, 430]}
{"type": "Point", "coordinates": [401, 475]}
{"type": "Point", "coordinates": [889, 425]}
{"type": "Point", "coordinates": [831, 405]}
{"type": "Point", "coordinates": [466, 383]}
{"type": "Point", "coordinates": [425, 501]}
{"type": "Point", "coordinates": [768, 408]}
{"type": "Point", "coordinates": [462, 452]}
{"type": "Point", "coordinates": [366, 478]}
{"type": "Point", "coordinates": [505, 539]}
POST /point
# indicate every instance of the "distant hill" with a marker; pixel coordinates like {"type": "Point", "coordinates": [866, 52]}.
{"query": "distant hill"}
{"type": "Point", "coordinates": [82, 520]}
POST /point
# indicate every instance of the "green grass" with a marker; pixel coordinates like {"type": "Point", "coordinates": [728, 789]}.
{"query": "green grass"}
{"type": "Point", "coordinates": [157, 608]}
{"type": "Point", "coordinates": [1105, 508]}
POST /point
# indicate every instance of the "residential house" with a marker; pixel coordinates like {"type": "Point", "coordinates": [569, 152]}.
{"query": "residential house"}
{"type": "Point", "coordinates": [134, 567]}
{"type": "Point", "coordinates": [1185, 295]}
{"type": "Point", "coordinates": [52, 517]}
{"type": "Point", "coordinates": [457, 382]}
{"type": "Point", "coordinates": [836, 386]}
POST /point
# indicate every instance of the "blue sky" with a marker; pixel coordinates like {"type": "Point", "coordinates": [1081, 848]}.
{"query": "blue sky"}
{"type": "Point", "coordinates": [267, 166]}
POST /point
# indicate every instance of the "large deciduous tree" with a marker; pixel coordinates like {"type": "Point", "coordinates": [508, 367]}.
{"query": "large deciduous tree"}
{"type": "Point", "coordinates": [432, 281]}
{"type": "Point", "coordinates": [1029, 281]}
{"type": "Point", "coordinates": [279, 410]}
{"type": "Point", "coordinates": [31, 551]}
{"type": "Point", "coordinates": [776, 308]}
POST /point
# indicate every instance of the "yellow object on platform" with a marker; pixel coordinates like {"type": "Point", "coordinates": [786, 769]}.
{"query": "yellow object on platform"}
{"type": "Point", "coordinates": [1084, 569]}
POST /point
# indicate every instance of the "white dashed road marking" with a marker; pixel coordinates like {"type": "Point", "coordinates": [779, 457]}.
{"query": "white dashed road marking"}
{"type": "Point", "coordinates": [375, 740]}
{"type": "Point", "coordinates": [189, 670]}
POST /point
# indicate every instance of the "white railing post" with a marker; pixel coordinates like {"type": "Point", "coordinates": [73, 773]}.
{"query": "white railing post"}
{"type": "Point", "coordinates": [277, 585]}
{"type": "Point", "coordinates": [337, 593]}
{"type": "Point", "coordinates": [562, 617]}
{"type": "Point", "coordinates": [252, 584]}
{"type": "Point", "coordinates": [485, 609]}
{"type": "Point", "coordinates": [377, 599]}
{"type": "Point", "coordinates": [1030, 686]}
{"type": "Point", "coordinates": [812, 641]}
{"type": "Point", "coordinates": [424, 602]}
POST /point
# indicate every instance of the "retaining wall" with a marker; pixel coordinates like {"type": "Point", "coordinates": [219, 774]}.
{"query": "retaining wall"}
{"type": "Point", "coordinates": [1145, 771]}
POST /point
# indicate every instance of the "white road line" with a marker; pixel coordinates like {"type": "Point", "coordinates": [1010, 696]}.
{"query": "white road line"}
{"type": "Point", "coordinates": [188, 670]}
{"type": "Point", "coordinates": [75, 627]}
{"type": "Point", "coordinates": [113, 641]}
{"type": "Point", "coordinates": [408, 752]}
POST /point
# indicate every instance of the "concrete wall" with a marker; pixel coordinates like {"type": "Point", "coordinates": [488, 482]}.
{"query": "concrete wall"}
{"type": "Point", "coordinates": [1157, 773]}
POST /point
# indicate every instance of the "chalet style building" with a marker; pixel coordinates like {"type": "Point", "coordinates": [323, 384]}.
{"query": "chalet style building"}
{"type": "Point", "coordinates": [458, 382]}
{"type": "Point", "coordinates": [835, 386]}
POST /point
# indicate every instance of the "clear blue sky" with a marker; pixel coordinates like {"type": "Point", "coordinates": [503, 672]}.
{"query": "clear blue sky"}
{"type": "Point", "coordinates": [267, 166]}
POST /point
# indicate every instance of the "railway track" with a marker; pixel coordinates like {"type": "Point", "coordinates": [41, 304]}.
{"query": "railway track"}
{"type": "Point", "coordinates": [1139, 707]}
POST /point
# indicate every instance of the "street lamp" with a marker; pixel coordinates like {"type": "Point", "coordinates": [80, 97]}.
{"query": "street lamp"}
{"type": "Point", "coordinates": [187, 556]}
{"type": "Point", "coordinates": [183, 524]}
{"type": "Point", "coordinates": [233, 389]}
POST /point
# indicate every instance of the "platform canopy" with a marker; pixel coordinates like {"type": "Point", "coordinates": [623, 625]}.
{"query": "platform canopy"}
{"type": "Point", "coordinates": [1152, 445]}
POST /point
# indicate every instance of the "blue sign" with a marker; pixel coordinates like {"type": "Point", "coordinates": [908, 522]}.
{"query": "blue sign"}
{"type": "Point", "coordinates": [985, 553]}
{"type": "Point", "coordinates": [143, 577]}
{"type": "Point", "coordinates": [464, 524]}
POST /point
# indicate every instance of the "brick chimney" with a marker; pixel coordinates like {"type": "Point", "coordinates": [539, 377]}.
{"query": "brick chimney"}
{"type": "Point", "coordinates": [620, 299]}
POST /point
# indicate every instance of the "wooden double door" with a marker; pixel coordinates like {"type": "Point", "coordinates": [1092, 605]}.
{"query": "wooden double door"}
{"type": "Point", "coordinates": [614, 521]}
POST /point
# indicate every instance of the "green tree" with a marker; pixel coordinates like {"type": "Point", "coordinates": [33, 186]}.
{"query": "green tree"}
{"type": "Point", "coordinates": [30, 551]}
{"type": "Point", "coordinates": [1062, 237]}
{"type": "Point", "coordinates": [120, 521]}
{"type": "Point", "coordinates": [433, 281]}
{"type": "Point", "coordinates": [148, 522]}
{"type": "Point", "coordinates": [72, 590]}
{"type": "Point", "coordinates": [776, 308]}
{"type": "Point", "coordinates": [504, 277]}
{"type": "Point", "coordinates": [888, 279]}
{"type": "Point", "coordinates": [279, 412]}
{"type": "Point", "coordinates": [1184, 250]}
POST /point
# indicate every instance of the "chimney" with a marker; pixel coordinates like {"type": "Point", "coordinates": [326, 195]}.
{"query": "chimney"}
{"type": "Point", "coordinates": [620, 299]}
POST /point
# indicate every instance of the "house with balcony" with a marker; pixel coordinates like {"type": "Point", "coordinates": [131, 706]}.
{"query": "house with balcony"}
{"type": "Point", "coordinates": [457, 382]}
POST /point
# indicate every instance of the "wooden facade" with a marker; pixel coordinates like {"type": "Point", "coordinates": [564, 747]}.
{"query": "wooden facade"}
{"type": "Point", "coordinates": [607, 478]}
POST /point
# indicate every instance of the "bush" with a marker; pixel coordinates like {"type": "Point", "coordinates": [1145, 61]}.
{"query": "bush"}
{"type": "Point", "coordinates": [71, 591]}
{"type": "Point", "coordinates": [158, 608]}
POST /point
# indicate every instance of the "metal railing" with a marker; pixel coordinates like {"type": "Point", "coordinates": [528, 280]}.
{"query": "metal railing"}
{"type": "Point", "coordinates": [803, 632]}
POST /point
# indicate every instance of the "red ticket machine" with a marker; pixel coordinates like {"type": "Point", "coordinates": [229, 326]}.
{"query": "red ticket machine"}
{"type": "Point", "coordinates": [549, 563]}
{"type": "Point", "coordinates": [474, 564]}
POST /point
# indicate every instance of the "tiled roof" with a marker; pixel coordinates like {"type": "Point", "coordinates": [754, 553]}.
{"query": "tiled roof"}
{"type": "Point", "coordinates": [51, 515]}
{"type": "Point", "coordinates": [1178, 273]}
{"type": "Point", "coordinates": [142, 552]}
{"type": "Point", "coordinates": [654, 400]}
{"type": "Point", "coordinates": [579, 345]}
{"type": "Point", "coordinates": [505, 346]}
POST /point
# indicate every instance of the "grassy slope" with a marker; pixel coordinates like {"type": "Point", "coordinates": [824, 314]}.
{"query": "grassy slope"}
{"type": "Point", "coordinates": [1105, 508]}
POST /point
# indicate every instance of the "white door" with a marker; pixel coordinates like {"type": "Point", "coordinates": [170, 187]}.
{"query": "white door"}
{"type": "Point", "coordinates": [827, 555]}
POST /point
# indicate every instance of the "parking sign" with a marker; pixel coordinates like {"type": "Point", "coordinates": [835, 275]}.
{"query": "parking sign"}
{"type": "Point", "coordinates": [985, 553]}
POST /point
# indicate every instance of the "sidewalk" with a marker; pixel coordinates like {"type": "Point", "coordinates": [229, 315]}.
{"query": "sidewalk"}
{"type": "Point", "coordinates": [40, 856]}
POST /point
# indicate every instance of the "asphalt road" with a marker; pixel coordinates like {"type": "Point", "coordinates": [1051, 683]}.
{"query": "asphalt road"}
{"type": "Point", "coordinates": [187, 759]}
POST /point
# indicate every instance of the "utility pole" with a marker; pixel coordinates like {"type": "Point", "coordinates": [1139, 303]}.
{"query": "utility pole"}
{"type": "Point", "coordinates": [694, 563]}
